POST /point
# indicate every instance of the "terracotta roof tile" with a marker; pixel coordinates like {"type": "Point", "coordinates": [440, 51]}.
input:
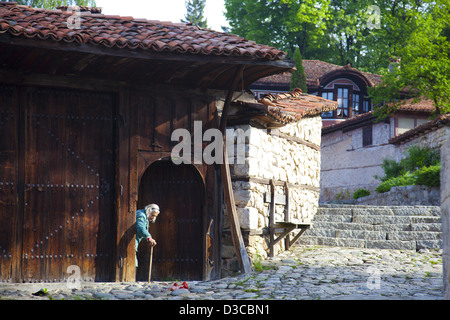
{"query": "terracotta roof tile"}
{"type": "Point", "coordinates": [127, 32]}
{"type": "Point", "coordinates": [314, 71]}
{"type": "Point", "coordinates": [293, 106]}
{"type": "Point", "coordinates": [416, 105]}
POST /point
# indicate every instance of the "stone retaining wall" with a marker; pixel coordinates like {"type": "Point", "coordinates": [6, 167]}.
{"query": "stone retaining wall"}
{"type": "Point", "coordinates": [403, 196]}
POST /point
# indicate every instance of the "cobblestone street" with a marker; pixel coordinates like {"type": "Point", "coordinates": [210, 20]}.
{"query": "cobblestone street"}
{"type": "Point", "coordinates": [303, 273]}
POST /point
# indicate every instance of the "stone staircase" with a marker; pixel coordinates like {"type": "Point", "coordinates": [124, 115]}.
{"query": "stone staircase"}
{"type": "Point", "coordinates": [395, 227]}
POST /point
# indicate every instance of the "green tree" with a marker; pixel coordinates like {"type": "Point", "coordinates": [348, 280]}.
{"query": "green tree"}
{"type": "Point", "coordinates": [298, 78]}
{"type": "Point", "coordinates": [335, 31]}
{"type": "Point", "coordinates": [346, 30]}
{"type": "Point", "coordinates": [399, 20]}
{"type": "Point", "coordinates": [285, 24]}
{"type": "Point", "coordinates": [366, 33]}
{"type": "Point", "coordinates": [194, 13]}
{"type": "Point", "coordinates": [52, 4]}
{"type": "Point", "coordinates": [424, 65]}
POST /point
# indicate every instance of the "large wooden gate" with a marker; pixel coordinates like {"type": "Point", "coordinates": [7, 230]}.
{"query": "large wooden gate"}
{"type": "Point", "coordinates": [57, 197]}
{"type": "Point", "coordinates": [180, 192]}
{"type": "Point", "coordinates": [9, 153]}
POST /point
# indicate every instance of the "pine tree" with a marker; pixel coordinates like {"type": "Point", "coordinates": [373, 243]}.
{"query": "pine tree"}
{"type": "Point", "coordinates": [194, 13]}
{"type": "Point", "coordinates": [298, 78]}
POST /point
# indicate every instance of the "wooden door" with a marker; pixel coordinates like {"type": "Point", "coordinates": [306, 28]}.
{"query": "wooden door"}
{"type": "Point", "coordinates": [9, 153]}
{"type": "Point", "coordinates": [180, 192]}
{"type": "Point", "coordinates": [68, 185]}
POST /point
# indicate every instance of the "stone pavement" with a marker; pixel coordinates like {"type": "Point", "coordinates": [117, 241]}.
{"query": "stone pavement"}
{"type": "Point", "coordinates": [304, 272]}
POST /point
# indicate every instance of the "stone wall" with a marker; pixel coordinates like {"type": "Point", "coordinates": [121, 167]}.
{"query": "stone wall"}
{"type": "Point", "coordinates": [445, 210]}
{"type": "Point", "coordinates": [283, 155]}
{"type": "Point", "coordinates": [348, 166]}
{"type": "Point", "coordinates": [403, 196]}
{"type": "Point", "coordinates": [433, 139]}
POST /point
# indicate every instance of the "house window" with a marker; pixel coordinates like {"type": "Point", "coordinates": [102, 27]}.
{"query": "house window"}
{"type": "Point", "coordinates": [342, 99]}
{"type": "Point", "coordinates": [329, 96]}
{"type": "Point", "coordinates": [351, 98]}
{"type": "Point", "coordinates": [367, 136]}
{"type": "Point", "coordinates": [355, 104]}
{"type": "Point", "coordinates": [366, 105]}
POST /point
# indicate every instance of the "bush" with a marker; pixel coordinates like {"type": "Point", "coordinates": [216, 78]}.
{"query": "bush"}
{"type": "Point", "coordinates": [421, 166]}
{"type": "Point", "coordinates": [361, 193]}
{"type": "Point", "coordinates": [426, 176]}
{"type": "Point", "coordinates": [429, 176]}
{"type": "Point", "coordinates": [415, 158]}
{"type": "Point", "coordinates": [418, 157]}
{"type": "Point", "coordinates": [391, 169]}
{"type": "Point", "coordinates": [406, 179]}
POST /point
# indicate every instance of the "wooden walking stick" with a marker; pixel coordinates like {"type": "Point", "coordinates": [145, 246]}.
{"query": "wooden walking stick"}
{"type": "Point", "coordinates": [150, 265]}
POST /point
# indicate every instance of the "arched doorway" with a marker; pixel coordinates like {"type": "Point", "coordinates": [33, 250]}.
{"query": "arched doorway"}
{"type": "Point", "coordinates": [179, 190]}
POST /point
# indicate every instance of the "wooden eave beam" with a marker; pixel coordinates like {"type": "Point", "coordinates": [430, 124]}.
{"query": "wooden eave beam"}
{"type": "Point", "coordinates": [140, 53]}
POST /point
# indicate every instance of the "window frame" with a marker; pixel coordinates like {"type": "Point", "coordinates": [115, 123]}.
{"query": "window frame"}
{"type": "Point", "coordinates": [364, 103]}
{"type": "Point", "coordinates": [328, 114]}
{"type": "Point", "coordinates": [366, 132]}
{"type": "Point", "coordinates": [349, 100]}
{"type": "Point", "coordinates": [358, 96]}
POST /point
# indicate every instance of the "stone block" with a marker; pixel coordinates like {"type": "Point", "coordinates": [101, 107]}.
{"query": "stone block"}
{"type": "Point", "coordinates": [381, 219]}
{"type": "Point", "coordinates": [433, 227]}
{"type": "Point", "coordinates": [372, 211]}
{"type": "Point", "coordinates": [391, 244]}
{"type": "Point", "coordinates": [241, 197]}
{"type": "Point", "coordinates": [413, 235]}
{"type": "Point", "coordinates": [248, 217]}
{"type": "Point", "coordinates": [333, 218]}
{"type": "Point", "coordinates": [361, 234]}
{"type": "Point", "coordinates": [429, 244]}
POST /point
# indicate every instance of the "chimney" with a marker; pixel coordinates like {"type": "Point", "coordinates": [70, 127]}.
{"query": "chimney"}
{"type": "Point", "coordinates": [81, 9]}
{"type": "Point", "coordinates": [394, 62]}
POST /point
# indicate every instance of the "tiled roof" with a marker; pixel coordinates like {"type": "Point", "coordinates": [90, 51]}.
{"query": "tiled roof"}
{"type": "Point", "coordinates": [127, 32]}
{"type": "Point", "coordinates": [276, 80]}
{"type": "Point", "coordinates": [416, 105]}
{"type": "Point", "coordinates": [315, 70]}
{"type": "Point", "coordinates": [291, 107]}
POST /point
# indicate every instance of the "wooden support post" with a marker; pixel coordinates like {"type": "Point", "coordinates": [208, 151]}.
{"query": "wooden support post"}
{"type": "Point", "coordinates": [302, 230]}
{"type": "Point", "coordinates": [238, 241]}
{"type": "Point", "coordinates": [284, 234]}
{"type": "Point", "coordinates": [288, 228]}
{"type": "Point", "coordinates": [285, 227]}
{"type": "Point", "coordinates": [124, 259]}
{"type": "Point", "coordinates": [272, 220]}
{"type": "Point", "coordinates": [287, 215]}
